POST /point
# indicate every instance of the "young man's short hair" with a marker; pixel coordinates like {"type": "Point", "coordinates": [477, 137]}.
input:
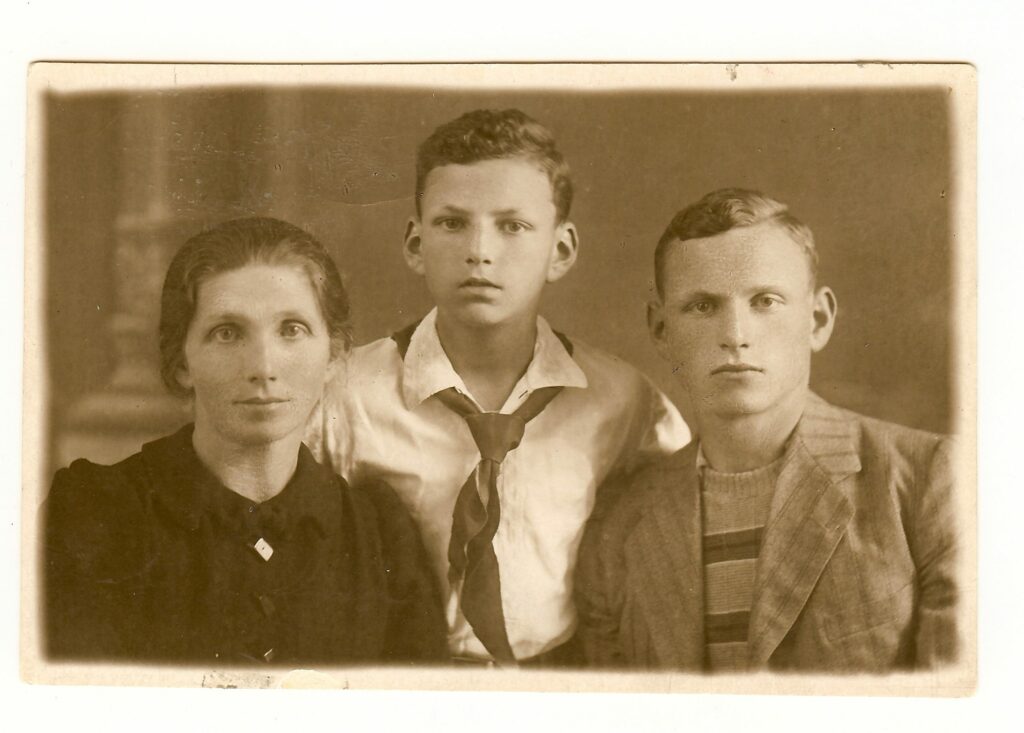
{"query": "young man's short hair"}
{"type": "Point", "coordinates": [488, 134]}
{"type": "Point", "coordinates": [732, 208]}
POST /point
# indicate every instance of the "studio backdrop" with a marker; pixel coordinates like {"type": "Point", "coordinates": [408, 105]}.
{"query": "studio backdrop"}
{"type": "Point", "coordinates": [130, 174]}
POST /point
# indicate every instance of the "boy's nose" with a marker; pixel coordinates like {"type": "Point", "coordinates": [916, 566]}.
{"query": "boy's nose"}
{"type": "Point", "coordinates": [480, 247]}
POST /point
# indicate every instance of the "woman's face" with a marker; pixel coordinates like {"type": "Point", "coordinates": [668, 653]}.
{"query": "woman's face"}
{"type": "Point", "coordinates": [257, 354]}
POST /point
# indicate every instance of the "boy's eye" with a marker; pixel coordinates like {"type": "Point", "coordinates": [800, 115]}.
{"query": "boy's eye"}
{"type": "Point", "coordinates": [449, 224]}
{"type": "Point", "coordinates": [513, 227]}
{"type": "Point", "coordinates": [294, 329]}
{"type": "Point", "coordinates": [224, 334]}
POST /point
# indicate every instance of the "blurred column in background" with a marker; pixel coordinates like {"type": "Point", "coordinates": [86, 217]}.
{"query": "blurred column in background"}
{"type": "Point", "coordinates": [133, 406]}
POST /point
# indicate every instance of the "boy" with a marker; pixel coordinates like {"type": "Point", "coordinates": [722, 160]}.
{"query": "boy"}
{"type": "Point", "coordinates": [792, 535]}
{"type": "Point", "coordinates": [439, 409]}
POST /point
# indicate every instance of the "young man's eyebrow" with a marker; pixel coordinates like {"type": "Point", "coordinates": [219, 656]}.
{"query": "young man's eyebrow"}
{"type": "Point", "coordinates": [452, 209]}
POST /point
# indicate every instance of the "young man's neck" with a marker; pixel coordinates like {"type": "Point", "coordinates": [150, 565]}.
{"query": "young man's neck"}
{"type": "Point", "coordinates": [734, 444]}
{"type": "Point", "coordinates": [490, 359]}
{"type": "Point", "coordinates": [256, 472]}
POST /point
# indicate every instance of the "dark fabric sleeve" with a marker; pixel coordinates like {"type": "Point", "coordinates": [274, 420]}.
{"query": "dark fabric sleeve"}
{"type": "Point", "coordinates": [416, 627]}
{"type": "Point", "coordinates": [90, 552]}
{"type": "Point", "coordinates": [600, 576]}
{"type": "Point", "coordinates": [933, 539]}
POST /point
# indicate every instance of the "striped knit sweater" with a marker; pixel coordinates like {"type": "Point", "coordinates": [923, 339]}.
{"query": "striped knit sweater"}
{"type": "Point", "coordinates": [735, 509]}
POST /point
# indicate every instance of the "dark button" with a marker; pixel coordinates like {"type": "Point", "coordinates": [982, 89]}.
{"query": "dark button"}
{"type": "Point", "coordinates": [267, 604]}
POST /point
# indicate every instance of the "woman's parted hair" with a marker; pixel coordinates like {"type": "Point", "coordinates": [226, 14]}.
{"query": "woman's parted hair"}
{"type": "Point", "coordinates": [230, 246]}
{"type": "Point", "coordinates": [732, 208]}
{"type": "Point", "coordinates": [489, 134]}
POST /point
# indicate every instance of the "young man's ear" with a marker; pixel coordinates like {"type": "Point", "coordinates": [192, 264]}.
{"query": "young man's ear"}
{"type": "Point", "coordinates": [563, 256]}
{"type": "Point", "coordinates": [656, 327]}
{"type": "Point", "coordinates": [412, 246]}
{"type": "Point", "coordinates": [824, 315]}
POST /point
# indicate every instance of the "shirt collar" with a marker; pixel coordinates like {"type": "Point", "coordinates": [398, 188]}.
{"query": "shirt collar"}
{"type": "Point", "coordinates": [427, 369]}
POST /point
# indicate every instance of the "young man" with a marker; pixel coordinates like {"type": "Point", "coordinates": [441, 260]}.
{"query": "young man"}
{"type": "Point", "coordinates": [791, 534]}
{"type": "Point", "coordinates": [494, 429]}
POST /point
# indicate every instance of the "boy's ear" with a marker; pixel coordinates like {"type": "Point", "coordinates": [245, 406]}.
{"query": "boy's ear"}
{"type": "Point", "coordinates": [563, 255]}
{"type": "Point", "coordinates": [656, 327]}
{"type": "Point", "coordinates": [823, 314]}
{"type": "Point", "coordinates": [412, 246]}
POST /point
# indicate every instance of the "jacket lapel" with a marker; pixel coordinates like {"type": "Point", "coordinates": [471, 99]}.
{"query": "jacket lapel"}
{"type": "Point", "coordinates": [808, 517]}
{"type": "Point", "coordinates": [669, 543]}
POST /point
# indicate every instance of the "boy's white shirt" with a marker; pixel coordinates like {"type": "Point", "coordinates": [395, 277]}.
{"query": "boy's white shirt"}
{"type": "Point", "coordinates": [380, 420]}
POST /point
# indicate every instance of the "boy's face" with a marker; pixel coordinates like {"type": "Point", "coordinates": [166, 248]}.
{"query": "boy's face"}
{"type": "Point", "coordinates": [487, 240]}
{"type": "Point", "coordinates": [739, 319]}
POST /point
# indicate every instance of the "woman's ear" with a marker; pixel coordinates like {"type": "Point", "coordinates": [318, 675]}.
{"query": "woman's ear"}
{"type": "Point", "coordinates": [182, 375]}
{"type": "Point", "coordinates": [563, 255]}
{"type": "Point", "coordinates": [412, 246]}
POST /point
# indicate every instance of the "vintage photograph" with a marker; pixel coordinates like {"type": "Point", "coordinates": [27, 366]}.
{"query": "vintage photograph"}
{"type": "Point", "coordinates": [619, 377]}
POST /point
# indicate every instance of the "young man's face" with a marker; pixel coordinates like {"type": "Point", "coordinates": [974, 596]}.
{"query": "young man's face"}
{"type": "Point", "coordinates": [739, 318]}
{"type": "Point", "coordinates": [488, 239]}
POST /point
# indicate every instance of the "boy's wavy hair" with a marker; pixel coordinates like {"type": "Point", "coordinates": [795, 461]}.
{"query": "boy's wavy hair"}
{"type": "Point", "coordinates": [487, 134]}
{"type": "Point", "coordinates": [732, 208]}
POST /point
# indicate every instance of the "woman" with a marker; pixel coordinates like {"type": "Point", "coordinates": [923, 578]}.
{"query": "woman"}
{"type": "Point", "coordinates": [227, 543]}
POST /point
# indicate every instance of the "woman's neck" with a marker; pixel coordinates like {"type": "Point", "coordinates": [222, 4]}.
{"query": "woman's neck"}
{"type": "Point", "coordinates": [257, 472]}
{"type": "Point", "coordinates": [490, 359]}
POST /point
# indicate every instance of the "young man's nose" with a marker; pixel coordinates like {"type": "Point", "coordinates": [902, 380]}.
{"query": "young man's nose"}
{"type": "Point", "coordinates": [735, 327]}
{"type": "Point", "coordinates": [480, 248]}
{"type": "Point", "coordinates": [261, 359]}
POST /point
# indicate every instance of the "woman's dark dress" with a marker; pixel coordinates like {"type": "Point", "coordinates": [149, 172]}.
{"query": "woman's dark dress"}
{"type": "Point", "coordinates": [152, 560]}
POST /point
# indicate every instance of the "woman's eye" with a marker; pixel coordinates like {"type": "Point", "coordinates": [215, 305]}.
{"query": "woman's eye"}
{"type": "Point", "coordinates": [224, 334]}
{"type": "Point", "coordinates": [702, 307]}
{"type": "Point", "coordinates": [293, 329]}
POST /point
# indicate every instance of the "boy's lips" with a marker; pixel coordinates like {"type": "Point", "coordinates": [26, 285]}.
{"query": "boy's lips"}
{"type": "Point", "coordinates": [262, 401]}
{"type": "Point", "coordinates": [478, 282]}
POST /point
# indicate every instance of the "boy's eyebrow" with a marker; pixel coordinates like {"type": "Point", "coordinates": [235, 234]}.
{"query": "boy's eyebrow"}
{"type": "Point", "coordinates": [452, 209]}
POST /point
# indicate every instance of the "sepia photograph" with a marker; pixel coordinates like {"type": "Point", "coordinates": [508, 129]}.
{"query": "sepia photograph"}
{"type": "Point", "coordinates": [547, 377]}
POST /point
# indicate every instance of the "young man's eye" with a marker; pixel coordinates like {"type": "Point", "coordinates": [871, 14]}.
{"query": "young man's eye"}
{"type": "Point", "coordinates": [294, 330]}
{"type": "Point", "coordinates": [513, 227]}
{"type": "Point", "coordinates": [224, 334]}
{"type": "Point", "coordinates": [767, 302]}
{"type": "Point", "coordinates": [700, 307]}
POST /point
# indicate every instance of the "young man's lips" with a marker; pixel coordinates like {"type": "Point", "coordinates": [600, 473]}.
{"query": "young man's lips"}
{"type": "Point", "coordinates": [735, 369]}
{"type": "Point", "coordinates": [262, 401]}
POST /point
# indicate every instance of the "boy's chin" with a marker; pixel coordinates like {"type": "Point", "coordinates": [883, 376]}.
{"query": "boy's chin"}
{"type": "Point", "coordinates": [482, 315]}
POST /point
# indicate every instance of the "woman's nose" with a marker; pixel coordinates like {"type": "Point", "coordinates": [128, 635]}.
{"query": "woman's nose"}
{"type": "Point", "coordinates": [261, 360]}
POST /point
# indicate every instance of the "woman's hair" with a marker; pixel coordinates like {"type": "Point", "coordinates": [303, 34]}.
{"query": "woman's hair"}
{"type": "Point", "coordinates": [727, 209]}
{"type": "Point", "coordinates": [235, 244]}
{"type": "Point", "coordinates": [490, 134]}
